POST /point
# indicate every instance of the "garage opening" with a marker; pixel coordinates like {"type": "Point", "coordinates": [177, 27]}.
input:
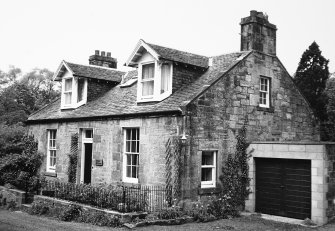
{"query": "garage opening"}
{"type": "Point", "coordinates": [283, 187]}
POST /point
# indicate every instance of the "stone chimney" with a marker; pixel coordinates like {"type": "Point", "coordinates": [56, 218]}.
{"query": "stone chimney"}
{"type": "Point", "coordinates": [258, 34]}
{"type": "Point", "coordinates": [102, 60]}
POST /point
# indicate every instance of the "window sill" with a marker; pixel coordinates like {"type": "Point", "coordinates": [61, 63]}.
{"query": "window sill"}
{"type": "Point", "coordinates": [128, 184]}
{"type": "Point", "coordinates": [205, 191]}
{"type": "Point", "coordinates": [265, 109]}
{"type": "Point", "coordinates": [51, 174]}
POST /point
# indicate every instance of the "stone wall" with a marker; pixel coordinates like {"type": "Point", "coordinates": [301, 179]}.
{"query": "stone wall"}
{"type": "Point", "coordinates": [108, 145]}
{"type": "Point", "coordinates": [216, 116]}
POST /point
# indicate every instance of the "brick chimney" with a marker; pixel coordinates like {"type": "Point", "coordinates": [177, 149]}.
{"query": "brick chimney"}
{"type": "Point", "coordinates": [102, 60]}
{"type": "Point", "coordinates": [258, 34]}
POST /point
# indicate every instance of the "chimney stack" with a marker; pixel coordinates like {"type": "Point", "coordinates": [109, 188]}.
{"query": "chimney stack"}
{"type": "Point", "coordinates": [258, 34]}
{"type": "Point", "coordinates": [102, 60]}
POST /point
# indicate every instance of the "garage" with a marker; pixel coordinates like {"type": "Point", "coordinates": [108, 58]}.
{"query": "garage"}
{"type": "Point", "coordinates": [283, 187]}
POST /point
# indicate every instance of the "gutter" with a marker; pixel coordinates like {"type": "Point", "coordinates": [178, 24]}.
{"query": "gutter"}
{"type": "Point", "coordinates": [104, 117]}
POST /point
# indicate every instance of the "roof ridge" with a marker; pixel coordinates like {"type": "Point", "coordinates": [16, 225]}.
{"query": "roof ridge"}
{"type": "Point", "coordinates": [176, 49]}
{"type": "Point", "coordinates": [94, 66]}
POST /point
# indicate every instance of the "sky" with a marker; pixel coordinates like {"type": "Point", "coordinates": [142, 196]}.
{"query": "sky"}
{"type": "Point", "coordinates": [42, 33]}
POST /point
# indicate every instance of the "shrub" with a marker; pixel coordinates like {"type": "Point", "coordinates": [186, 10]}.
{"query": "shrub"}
{"type": "Point", "coordinates": [170, 213]}
{"type": "Point", "coordinates": [70, 213]}
{"type": "Point", "coordinates": [99, 218]}
{"type": "Point", "coordinates": [21, 169]}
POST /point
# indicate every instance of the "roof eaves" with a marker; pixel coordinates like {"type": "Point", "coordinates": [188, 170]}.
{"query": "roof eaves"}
{"type": "Point", "coordinates": [116, 116]}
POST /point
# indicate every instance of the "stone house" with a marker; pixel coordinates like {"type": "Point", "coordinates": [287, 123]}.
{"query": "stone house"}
{"type": "Point", "coordinates": [123, 124]}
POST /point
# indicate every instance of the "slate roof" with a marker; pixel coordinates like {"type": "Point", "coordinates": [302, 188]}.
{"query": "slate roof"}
{"type": "Point", "coordinates": [95, 72]}
{"type": "Point", "coordinates": [121, 101]}
{"type": "Point", "coordinates": [180, 56]}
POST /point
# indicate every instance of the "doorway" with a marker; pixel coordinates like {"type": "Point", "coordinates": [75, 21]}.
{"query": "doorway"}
{"type": "Point", "coordinates": [86, 160]}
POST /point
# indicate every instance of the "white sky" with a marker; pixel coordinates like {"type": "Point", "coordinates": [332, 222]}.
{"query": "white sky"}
{"type": "Point", "coordinates": [42, 33]}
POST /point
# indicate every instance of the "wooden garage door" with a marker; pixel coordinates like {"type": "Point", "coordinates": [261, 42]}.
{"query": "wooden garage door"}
{"type": "Point", "coordinates": [283, 187]}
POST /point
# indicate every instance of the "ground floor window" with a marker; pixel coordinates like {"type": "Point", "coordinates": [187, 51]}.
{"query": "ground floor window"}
{"type": "Point", "coordinates": [131, 155]}
{"type": "Point", "coordinates": [51, 154]}
{"type": "Point", "coordinates": [208, 169]}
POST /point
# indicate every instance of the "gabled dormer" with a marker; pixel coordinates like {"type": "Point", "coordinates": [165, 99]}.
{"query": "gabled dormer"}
{"type": "Point", "coordinates": [84, 83]}
{"type": "Point", "coordinates": [156, 66]}
{"type": "Point", "coordinates": [74, 89]}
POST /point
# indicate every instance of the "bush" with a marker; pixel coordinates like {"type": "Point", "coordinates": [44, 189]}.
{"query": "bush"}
{"type": "Point", "coordinates": [70, 213]}
{"type": "Point", "coordinates": [11, 139]}
{"type": "Point", "coordinates": [21, 169]}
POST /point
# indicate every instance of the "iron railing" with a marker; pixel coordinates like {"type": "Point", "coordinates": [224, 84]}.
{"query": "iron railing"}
{"type": "Point", "coordinates": [120, 198]}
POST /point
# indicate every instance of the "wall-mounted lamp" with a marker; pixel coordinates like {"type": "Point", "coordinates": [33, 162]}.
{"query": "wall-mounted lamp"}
{"type": "Point", "coordinates": [183, 139]}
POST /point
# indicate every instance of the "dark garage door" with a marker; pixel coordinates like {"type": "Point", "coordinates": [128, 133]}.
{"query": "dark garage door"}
{"type": "Point", "coordinates": [283, 187]}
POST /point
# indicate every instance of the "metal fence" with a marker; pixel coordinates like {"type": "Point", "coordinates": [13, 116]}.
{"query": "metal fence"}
{"type": "Point", "coordinates": [120, 198]}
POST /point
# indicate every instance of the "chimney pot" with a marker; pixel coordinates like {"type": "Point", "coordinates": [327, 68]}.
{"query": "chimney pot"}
{"type": "Point", "coordinates": [108, 54]}
{"type": "Point", "coordinates": [102, 53]}
{"type": "Point", "coordinates": [97, 52]}
{"type": "Point", "coordinates": [253, 13]}
{"type": "Point", "coordinates": [102, 60]}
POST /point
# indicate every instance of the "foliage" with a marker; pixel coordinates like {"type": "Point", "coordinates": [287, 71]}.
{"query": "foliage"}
{"type": "Point", "coordinates": [311, 77]}
{"type": "Point", "coordinates": [19, 97]}
{"type": "Point", "coordinates": [74, 212]}
{"type": "Point", "coordinates": [21, 169]}
{"type": "Point", "coordinates": [329, 126]}
{"type": "Point", "coordinates": [70, 213]}
{"type": "Point", "coordinates": [125, 199]}
{"type": "Point", "coordinates": [73, 159]}
{"type": "Point", "coordinates": [11, 139]}
{"type": "Point", "coordinates": [234, 177]}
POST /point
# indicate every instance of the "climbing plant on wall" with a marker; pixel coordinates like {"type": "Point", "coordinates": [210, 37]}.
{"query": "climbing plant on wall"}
{"type": "Point", "coordinates": [73, 159]}
{"type": "Point", "coordinates": [235, 180]}
{"type": "Point", "coordinates": [173, 166]}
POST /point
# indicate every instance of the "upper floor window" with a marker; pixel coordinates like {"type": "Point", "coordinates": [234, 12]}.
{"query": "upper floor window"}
{"type": "Point", "coordinates": [52, 150]}
{"type": "Point", "coordinates": [155, 81]}
{"type": "Point", "coordinates": [264, 92]}
{"type": "Point", "coordinates": [74, 92]}
{"type": "Point", "coordinates": [148, 79]}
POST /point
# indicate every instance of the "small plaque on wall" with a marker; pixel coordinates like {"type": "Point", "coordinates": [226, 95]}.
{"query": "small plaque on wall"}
{"type": "Point", "coordinates": [99, 163]}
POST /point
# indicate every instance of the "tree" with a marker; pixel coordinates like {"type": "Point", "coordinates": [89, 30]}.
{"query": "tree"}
{"type": "Point", "coordinates": [330, 93]}
{"type": "Point", "coordinates": [311, 77]}
{"type": "Point", "coordinates": [10, 77]}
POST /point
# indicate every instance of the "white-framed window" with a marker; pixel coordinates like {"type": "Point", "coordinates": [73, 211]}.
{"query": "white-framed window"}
{"type": "Point", "coordinates": [148, 79]}
{"type": "Point", "coordinates": [68, 85]}
{"type": "Point", "coordinates": [74, 91]}
{"type": "Point", "coordinates": [208, 169]}
{"type": "Point", "coordinates": [131, 155]}
{"type": "Point", "coordinates": [155, 81]}
{"type": "Point", "coordinates": [52, 151]}
{"type": "Point", "coordinates": [264, 92]}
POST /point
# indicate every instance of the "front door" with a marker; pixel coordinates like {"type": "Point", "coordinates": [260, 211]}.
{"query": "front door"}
{"type": "Point", "coordinates": [86, 154]}
{"type": "Point", "coordinates": [88, 163]}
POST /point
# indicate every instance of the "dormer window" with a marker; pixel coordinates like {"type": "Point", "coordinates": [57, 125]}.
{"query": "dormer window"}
{"type": "Point", "coordinates": [155, 81]}
{"type": "Point", "coordinates": [74, 91]}
{"type": "Point", "coordinates": [68, 91]}
{"type": "Point", "coordinates": [148, 79]}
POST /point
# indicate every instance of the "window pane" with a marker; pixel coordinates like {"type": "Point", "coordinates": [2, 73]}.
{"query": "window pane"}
{"type": "Point", "coordinates": [165, 81]}
{"type": "Point", "coordinates": [134, 159]}
{"type": "Point", "coordinates": [134, 172]}
{"type": "Point", "coordinates": [148, 71]}
{"type": "Point", "coordinates": [81, 83]}
{"type": "Point", "coordinates": [147, 88]}
{"type": "Point", "coordinates": [133, 146]}
{"type": "Point", "coordinates": [88, 134]}
{"type": "Point", "coordinates": [133, 134]}
{"type": "Point", "coordinates": [68, 98]}
{"type": "Point", "coordinates": [128, 134]}
{"type": "Point", "coordinates": [206, 174]}
{"type": "Point", "coordinates": [68, 85]}
{"type": "Point", "coordinates": [128, 171]}
{"type": "Point", "coordinates": [138, 146]}
{"type": "Point", "coordinates": [128, 159]}
{"type": "Point", "coordinates": [207, 158]}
